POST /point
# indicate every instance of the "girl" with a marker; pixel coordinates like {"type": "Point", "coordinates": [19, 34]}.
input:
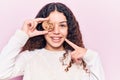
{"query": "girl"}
{"type": "Point", "coordinates": [38, 53]}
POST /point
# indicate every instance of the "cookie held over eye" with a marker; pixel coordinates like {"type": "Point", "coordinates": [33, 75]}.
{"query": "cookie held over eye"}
{"type": "Point", "coordinates": [47, 26]}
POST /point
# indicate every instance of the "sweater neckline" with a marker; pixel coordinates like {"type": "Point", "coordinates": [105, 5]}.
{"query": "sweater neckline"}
{"type": "Point", "coordinates": [53, 52]}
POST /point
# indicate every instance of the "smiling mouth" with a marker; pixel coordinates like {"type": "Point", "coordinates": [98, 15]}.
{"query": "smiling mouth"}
{"type": "Point", "coordinates": [56, 39]}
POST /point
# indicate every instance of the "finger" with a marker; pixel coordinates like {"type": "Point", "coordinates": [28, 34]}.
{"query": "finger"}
{"type": "Point", "coordinates": [72, 44]}
{"type": "Point", "coordinates": [35, 25]}
{"type": "Point", "coordinates": [39, 20]}
{"type": "Point", "coordinates": [76, 57]}
{"type": "Point", "coordinates": [32, 25]}
{"type": "Point", "coordinates": [36, 32]}
{"type": "Point", "coordinates": [73, 56]}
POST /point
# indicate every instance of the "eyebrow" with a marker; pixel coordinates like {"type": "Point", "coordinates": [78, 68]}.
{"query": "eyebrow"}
{"type": "Point", "coordinates": [63, 22]}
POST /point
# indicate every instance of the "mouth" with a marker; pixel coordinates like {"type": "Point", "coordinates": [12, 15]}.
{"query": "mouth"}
{"type": "Point", "coordinates": [56, 39]}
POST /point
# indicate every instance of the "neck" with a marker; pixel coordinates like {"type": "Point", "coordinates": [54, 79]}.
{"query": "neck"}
{"type": "Point", "coordinates": [55, 48]}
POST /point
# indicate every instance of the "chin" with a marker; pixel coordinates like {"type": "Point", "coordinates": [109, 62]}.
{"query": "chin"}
{"type": "Point", "coordinates": [56, 45]}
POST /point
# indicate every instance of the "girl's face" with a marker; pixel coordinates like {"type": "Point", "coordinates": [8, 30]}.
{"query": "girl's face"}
{"type": "Point", "coordinates": [55, 38]}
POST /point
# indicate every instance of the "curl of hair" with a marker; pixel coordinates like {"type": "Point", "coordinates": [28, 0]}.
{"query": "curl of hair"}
{"type": "Point", "coordinates": [74, 34]}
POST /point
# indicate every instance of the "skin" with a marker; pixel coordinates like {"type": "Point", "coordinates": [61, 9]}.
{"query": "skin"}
{"type": "Point", "coordinates": [78, 52]}
{"type": "Point", "coordinates": [29, 27]}
{"type": "Point", "coordinates": [56, 37]}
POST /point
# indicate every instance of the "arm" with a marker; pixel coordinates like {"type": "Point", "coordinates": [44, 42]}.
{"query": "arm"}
{"type": "Point", "coordinates": [94, 64]}
{"type": "Point", "coordinates": [11, 63]}
{"type": "Point", "coordinates": [10, 52]}
{"type": "Point", "coordinates": [91, 58]}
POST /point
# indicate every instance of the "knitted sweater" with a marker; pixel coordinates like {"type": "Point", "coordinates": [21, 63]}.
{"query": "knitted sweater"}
{"type": "Point", "coordinates": [43, 64]}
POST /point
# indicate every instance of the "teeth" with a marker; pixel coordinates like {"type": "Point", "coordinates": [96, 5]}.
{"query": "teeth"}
{"type": "Point", "coordinates": [56, 38]}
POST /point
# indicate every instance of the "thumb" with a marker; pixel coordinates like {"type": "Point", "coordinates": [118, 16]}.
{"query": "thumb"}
{"type": "Point", "coordinates": [36, 33]}
{"type": "Point", "coordinates": [40, 32]}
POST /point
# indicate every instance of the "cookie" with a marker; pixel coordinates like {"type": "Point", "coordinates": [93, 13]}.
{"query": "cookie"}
{"type": "Point", "coordinates": [47, 26]}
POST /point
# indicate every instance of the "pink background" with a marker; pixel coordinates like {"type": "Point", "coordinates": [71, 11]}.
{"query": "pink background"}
{"type": "Point", "coordinates": [99, 21]}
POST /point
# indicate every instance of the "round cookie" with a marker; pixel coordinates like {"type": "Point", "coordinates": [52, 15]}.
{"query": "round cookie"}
{"type": "Point", "coordinates": [47, 26]}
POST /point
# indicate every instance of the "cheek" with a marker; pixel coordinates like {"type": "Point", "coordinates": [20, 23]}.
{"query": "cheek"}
{"type": "Point", "coordinates": [64, 32]}
{"type": "Point", "coordinates": [46, 36]}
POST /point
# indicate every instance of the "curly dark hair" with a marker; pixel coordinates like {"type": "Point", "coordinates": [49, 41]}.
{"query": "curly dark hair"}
{"type": "Point", "coordinates": [74, 34]}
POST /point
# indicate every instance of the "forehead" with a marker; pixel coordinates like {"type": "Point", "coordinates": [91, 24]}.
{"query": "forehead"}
{"type": "Point", "coordinates": [57, 17]}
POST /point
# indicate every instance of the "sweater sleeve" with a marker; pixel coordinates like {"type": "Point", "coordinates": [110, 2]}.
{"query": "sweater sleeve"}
{"type": "Point", "coordinates": [94, 65]}
{"type": "Point", "coordinates": [9, 54]}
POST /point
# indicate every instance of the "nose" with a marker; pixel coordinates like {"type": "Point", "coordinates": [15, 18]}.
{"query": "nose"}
{"type": "Point", "coordinates": [56, 29]}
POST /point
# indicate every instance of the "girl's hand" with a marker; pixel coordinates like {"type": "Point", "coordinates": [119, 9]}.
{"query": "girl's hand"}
{"type": "Point", "coordinates": [78, 52]}
{"type": "Point", "coordinates": [29, 27]}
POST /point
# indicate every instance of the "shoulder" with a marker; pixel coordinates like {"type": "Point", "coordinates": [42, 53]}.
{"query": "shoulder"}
{"type": "Point", "coordinates": [28, 55]}
{"type": "Point", "coordinates": [36, 58]}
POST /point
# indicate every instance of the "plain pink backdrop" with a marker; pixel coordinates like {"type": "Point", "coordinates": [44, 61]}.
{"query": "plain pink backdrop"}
{"type": "Point", "coordinates": [99, 22]}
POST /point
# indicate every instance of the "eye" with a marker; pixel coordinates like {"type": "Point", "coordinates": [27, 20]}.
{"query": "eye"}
{"type": "Point", "coordinates": [63, 25]}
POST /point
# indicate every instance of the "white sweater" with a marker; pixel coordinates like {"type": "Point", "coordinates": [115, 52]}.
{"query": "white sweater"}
{"type": "Point", "coordinates": [43, 64]}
